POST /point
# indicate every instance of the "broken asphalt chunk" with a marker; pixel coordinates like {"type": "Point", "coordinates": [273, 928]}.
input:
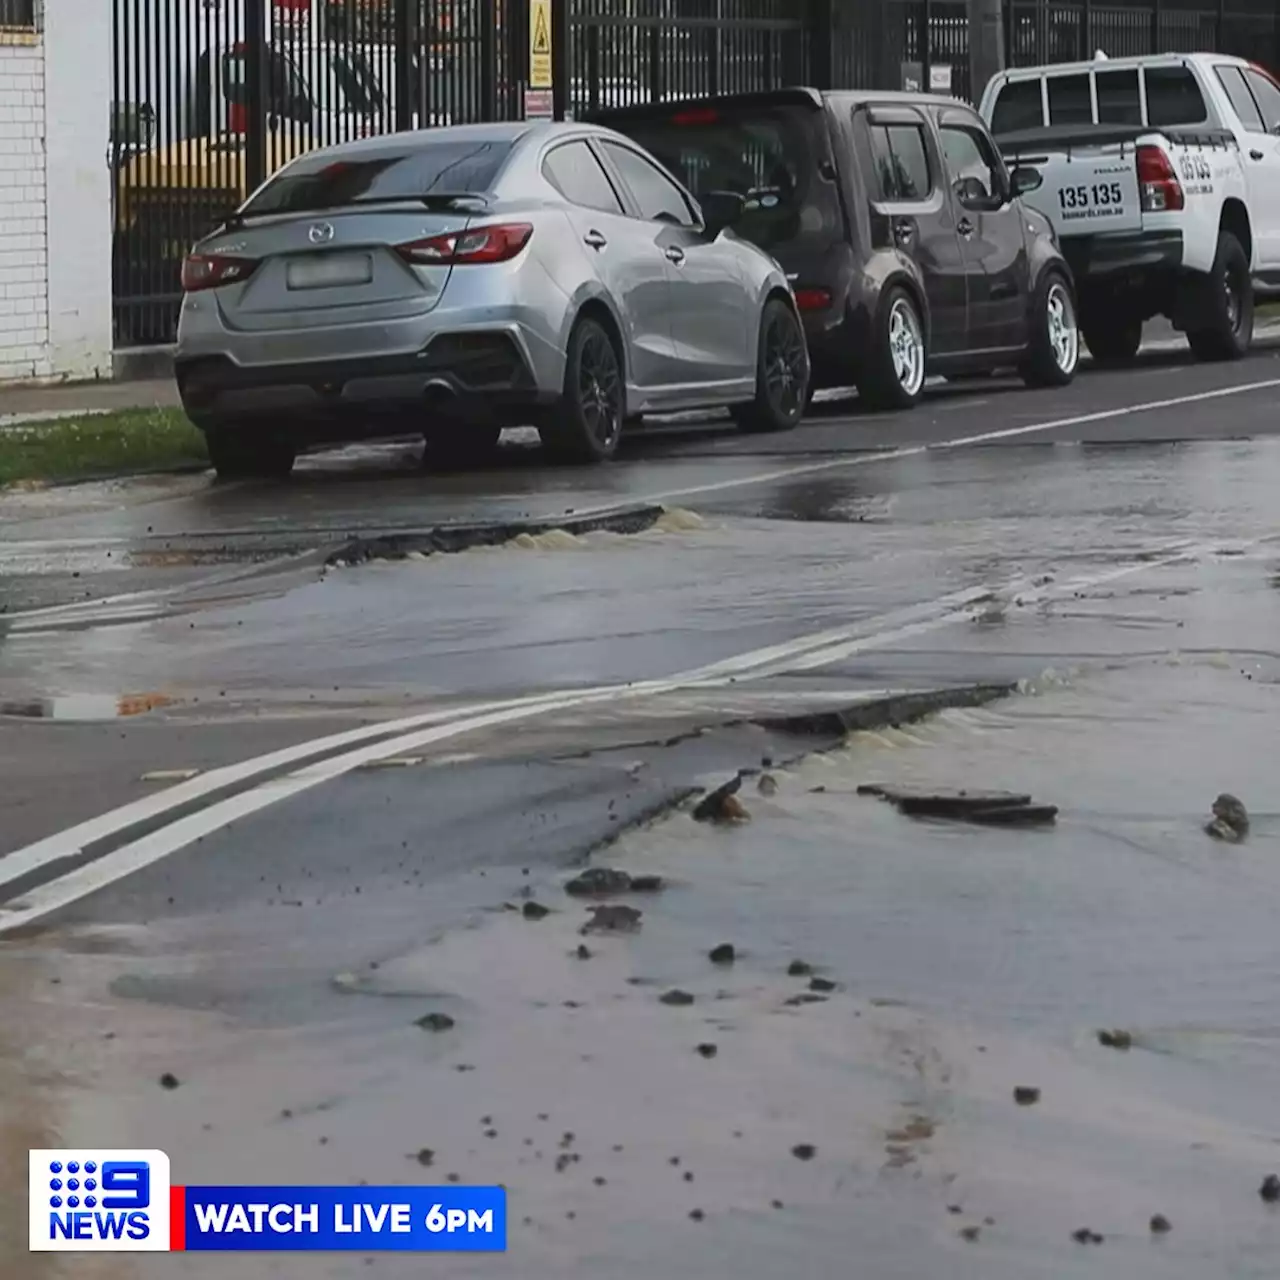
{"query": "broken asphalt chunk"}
{"type": "Point", "coordinates": [1270, 1189]}
{"type": "Point", "coordinates": [1116, 1039]}
{"type": "Point", "coordinates": [708, 1050]}
{"type": "Point", "coordinates": [598, 882]}
{"type": "Point", "coordinates": [722, 804]}
{"type": "Point", "coordinates": [435, 1022]}
{"type": "Point", "coordinates": [1230, 819]}
{"type": "Point", "coordinates": [799, 968]}
{"type": "Point", "coordinates": [723, 954]}
{"type": "Point", "coordinates": [991, 808]}
{"type": "Point", "coordinates": [534, 911]}
{"type": "Point", "coordinates": [1014, 815]}
{"type": "Point", "coordinates": [676, 997]}
{"type": "Point", "coordinates": [1086, 1236]}
{"type": "Point", "coordinates": [1026, 1095]}
{"type": "Point", "coordinates": [613, 918]}
{"type": "Point", "coordinates": [821, 984]}
{"type": "Point", "coordinates": [804, 1151]}
{"type": "Point", "coordinates": [169, 1081]}
{"type": "Point", "coordinates": [1160, 1225]}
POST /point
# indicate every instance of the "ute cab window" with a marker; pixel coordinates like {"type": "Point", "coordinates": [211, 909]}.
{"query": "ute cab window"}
{"type": "Point", "coordinates": [1267, 95]}
{"type": "Point", "coordinates": [1019, 105]}
{"type": "Point", "coordinates": [1070, 99]}
{"type": "Point", "coordinates": [1119, 99]}
{"type": "Point", "coordinates": [1173, 98]}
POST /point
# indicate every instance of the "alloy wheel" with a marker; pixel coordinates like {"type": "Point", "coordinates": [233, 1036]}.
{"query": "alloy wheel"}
{"type": "Point", "coordinates": [1064, 333]}
{"type": "Point", "coordinates": [784, 365]}
{"type": "Point", "coordinates": [600, 390]}
{"type": "Point", "coordinates": [906, 346]}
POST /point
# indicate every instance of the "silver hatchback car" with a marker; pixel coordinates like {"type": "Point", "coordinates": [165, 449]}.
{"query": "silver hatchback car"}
{"type": "Point", "coordinates": [454, 281]}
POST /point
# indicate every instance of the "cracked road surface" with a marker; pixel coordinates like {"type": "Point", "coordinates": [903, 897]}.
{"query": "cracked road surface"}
{"type": "Point", "coordinates": [269, 804]}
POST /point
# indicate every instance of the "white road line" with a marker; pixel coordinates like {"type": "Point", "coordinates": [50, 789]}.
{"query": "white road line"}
{"type": "Point", "coordinates": [958, 442]}
{"type": "Point", "coordinates": [127, 604]}
{"type": "Point", "coordinates": [141, 853]}
{"type": "Point", "coordinates": [71, 842]}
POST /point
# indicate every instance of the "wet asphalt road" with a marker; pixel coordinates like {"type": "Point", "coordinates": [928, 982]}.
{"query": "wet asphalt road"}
{"type": "Point", "coordinates": [1123, 530]}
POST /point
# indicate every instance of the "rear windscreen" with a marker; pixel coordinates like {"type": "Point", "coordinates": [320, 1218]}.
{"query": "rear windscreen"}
{"type": "Point", "coordinates": [768, 155]}
{"type": "Point", "coordinates": [1018, 106]}
{"type": "Point", "coordinates": [326, 182]}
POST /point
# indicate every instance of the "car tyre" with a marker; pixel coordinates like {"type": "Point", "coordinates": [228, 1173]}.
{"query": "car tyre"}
{"type": "Point", "coordinates": [1112, 335]}
{"type": "Point", "coordinates": [586, 425]}
{"type": "Point", "coordinates": [243, 454]}
{"type": "Point", "coordinates": [893, 377]}
{"type": "Point", "coordinates": [783, 392]}
{"type": "Point", "coordinates": [1226, 303]}
{"type": "Point", "coordinates": [1053, 352]}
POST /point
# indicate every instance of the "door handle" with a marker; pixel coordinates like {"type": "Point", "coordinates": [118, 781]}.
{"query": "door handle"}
{"type": "Point", "coordinates": [675, 254]}
{"type": "Point", "coordinates": [965, 227]}
{"type": "Point", "coordinates": [903, 229]}
{"type": "Point", "coordinates": [1255, 155]}
{"type": "Point", "coordinates": [595, 239]}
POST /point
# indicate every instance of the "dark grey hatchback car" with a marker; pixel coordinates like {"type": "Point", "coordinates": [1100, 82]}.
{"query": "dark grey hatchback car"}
{"type": "Point", "coordinates": [896, 222]}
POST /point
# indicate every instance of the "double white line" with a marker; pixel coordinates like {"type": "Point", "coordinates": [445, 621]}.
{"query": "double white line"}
{"type": "Point", "coordinates": [343, 752]}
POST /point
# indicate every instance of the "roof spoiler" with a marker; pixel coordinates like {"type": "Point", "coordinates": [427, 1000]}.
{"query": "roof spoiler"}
{"type": "Point", "coordinates": [798, 96]}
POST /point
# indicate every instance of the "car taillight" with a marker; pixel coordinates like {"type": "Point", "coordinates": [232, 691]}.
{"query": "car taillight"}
{"type": "Point", "coordinates": [700, 115]}
{"type": "Point", "coordinates": [813, 299]}
{"type": "Point", "coordinates": [1161, 190]}
{"type": "Point", "coordinates": [498, 243]}
{"type": "Point", "coordinates": [211, 270]}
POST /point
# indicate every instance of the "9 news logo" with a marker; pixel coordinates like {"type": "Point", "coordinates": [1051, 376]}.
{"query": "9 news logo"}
{"type": "Point", "coordinates": [90, 1201]}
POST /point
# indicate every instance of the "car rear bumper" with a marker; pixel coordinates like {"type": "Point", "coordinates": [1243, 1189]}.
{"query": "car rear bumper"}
{"type": "Point", "coordinates": [1121, 252]}
{"type": "Point", "coordinates": [477, 373]}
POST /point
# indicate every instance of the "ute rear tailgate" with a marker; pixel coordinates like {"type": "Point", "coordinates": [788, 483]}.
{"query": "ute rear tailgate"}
{"type": "Point", "coordinates": [1088, 177]}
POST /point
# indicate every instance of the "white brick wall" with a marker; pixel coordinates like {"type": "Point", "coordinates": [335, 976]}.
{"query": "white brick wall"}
{"type": "Point", "coordinates": [24, 262]}
{"type": "Point", "coordinates": [55, 195]}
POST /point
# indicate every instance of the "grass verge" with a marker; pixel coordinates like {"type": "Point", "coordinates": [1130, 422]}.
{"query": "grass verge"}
{"type": "Point", "coordinates": [98, 444]}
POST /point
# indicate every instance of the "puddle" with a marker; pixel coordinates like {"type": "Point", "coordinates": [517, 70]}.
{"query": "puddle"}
{"type": "Point", "coordinates": [87, 706]}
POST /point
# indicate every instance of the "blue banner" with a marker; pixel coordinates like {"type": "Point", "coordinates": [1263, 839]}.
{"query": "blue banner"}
{"type": "Point", "coordinates": [330, 1219]}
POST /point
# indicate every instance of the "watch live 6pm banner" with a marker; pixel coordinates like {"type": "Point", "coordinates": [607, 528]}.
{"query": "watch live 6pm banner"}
{"type": "Point", "coordinates": [109, 1201]}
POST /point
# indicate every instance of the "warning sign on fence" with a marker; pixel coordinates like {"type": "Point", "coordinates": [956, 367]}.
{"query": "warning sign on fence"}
{"type": "Point", "coordinates": [539, 44]}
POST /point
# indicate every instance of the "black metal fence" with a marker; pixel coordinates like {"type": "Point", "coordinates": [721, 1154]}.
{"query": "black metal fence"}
{"type": "Point", "coordinates": [212, 95]}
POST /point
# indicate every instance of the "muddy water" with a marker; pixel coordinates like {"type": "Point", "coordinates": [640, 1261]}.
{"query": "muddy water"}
{"type": "Point", "coordinates": [967, 962]}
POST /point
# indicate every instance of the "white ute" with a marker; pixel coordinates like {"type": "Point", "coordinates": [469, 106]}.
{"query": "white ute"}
{"type": "Point", "coordinates": [1161, 177]}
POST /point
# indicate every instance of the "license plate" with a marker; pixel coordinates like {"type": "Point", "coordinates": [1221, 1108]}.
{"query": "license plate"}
{"type": "Point", "coordinates": [329, 270]}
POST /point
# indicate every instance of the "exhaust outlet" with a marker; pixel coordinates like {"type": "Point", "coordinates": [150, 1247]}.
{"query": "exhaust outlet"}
{"type": "Point", "coordinates": [438, 393]}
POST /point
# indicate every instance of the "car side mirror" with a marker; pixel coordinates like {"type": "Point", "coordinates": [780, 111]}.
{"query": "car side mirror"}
{"type": "Point", "coordinates": [721, 209]}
